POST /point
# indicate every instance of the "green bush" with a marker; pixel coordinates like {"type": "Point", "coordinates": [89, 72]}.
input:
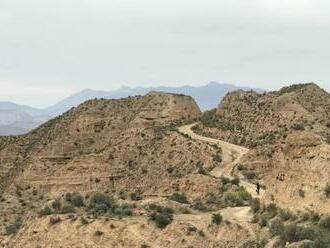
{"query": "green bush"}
{"type": "Point", "coordinates": [200, 206]}
{"type": "Point", "coordinates": [75, 198]}
{"type": "Point", "coordinates": [238, 198]}
{"type": "Point", "coordinates": [101, 199]}
{"type": "Point", "coordinates": [45, 211]}
{"type": "Point", "coordinates": [216, 219]}
{"type": "Point", "coordinates": [179, 197]}
{"type": "Point", "coordinates": [295, 233]}
{"type": "Point", "coordinates": [276, 227]}
{"type": "Point", "coordinates": [161, 219]}
{"type": "Point", "coordinates": [67, 208]}
{"type": "Point", "coordinates": [285, 215]}
{"type": "Point", "coordinates": [14, 227]}
{"type": "Point", "coordinates": [325, 223]}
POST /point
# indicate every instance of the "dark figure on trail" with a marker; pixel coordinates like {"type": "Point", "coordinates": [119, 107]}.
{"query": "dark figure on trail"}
{"type": "Point", "coordinates": [258, 188]}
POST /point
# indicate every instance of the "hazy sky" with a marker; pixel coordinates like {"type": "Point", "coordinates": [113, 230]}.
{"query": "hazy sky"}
{"type": "Point", "coordinates": [52, 48]}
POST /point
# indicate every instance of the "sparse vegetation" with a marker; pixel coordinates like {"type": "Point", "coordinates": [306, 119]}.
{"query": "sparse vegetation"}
{"type": "Point", "coordinates": [216, 219]}
{"type": "Point", "coordinates": [45, 211]}
{"type": "Point", "coordinates": [161, 216]}
{"type": "Point", "coordinates": [136, 196]}
{"type": "Point", "coordinates": [179, 197]}
{"type": "Point", "coordinates": [327, 190]}
{"type": "Point", "coordinates": [53, 220]}
{"type": "Point", "coordinates": [14, 227]}
{"type": "Point", "coordinates": [76, 199]}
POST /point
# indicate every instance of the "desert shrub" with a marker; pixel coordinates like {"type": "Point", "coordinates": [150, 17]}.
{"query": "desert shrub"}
{"type": "Point", "coordinates": [325, 223]}
{"type": "Point", "coordinates": [217, 158]}
{"type": "Point", "coordinates": [101, 199]}
{"type": "Point", "coordinates": [14, 227]}
{"type": "Point", "coordinates": [238, 198]}
{"type": "Point", "coordinates": [76, 199]}
{"type": "Point", "coordinates": [184, 211]}
{"type": "Point", "coordinates": [162, 219]}
{"type": "Point", "coordinates": [295, 233]}
{"type": "Point", "coordinates": [200, 206]}
{"type": "Point", "coordinates": [54, 220]}
{"type": "Point", "coordinates": [56, 205]}
{"type": "Point", "coordinates": [263, 221]}
{"type": "Point", "coordinates": [67, 208]}
{"type": "Point", "coordinates": [45, 211]}
{"type": "Point", "coordinates": [301, 193]}
{"type": "Point", "coordinates": [224, 180]}
{"type": "Point", "coordinates": [83, 221]}
{"type": "Point", "coordinates": [298, 126]}
{"type": "Point", "coordinates": [135, 196]}
{"type": "Point", "coordinates": [208, 118]}
{"type": "Point", "coordinates": [285, 215]}
{"type": "Point", "coordinates": [248, 174]}
{"type": "Point", "coordinates": [216, 219]}
{"type": "Point", "coordinates": [327, 190]}
{"type": "Point", "coordinates": [240, 167]}
{"type": "Point", "coordinates": [255, 205]}
{"type": "Point", "coordinates": [314, 217]}
{"type": "Point", "coordinates": [271, 210]}
{"type": "Point", "coordinates": [124, 210]}
{"type": "Point", "coordinates": [179, 197]}
{"type": "Point", "coordinates": [276, 227]}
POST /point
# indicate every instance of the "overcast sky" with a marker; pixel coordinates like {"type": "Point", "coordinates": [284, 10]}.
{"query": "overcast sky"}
{"type": "Point", "coordinates": [52, 48]}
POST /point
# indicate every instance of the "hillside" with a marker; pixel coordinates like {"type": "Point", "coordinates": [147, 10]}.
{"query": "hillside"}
{"type": "Point", "coordinates": [288, 132]}
{"type": "Point", "coordinates": [153, 171]}
{"type": "Point", "coordinates": [127, 149]}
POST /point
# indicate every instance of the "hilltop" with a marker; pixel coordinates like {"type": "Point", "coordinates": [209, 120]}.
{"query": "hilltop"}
{"type": "Point", "coordinates": [18, 119]}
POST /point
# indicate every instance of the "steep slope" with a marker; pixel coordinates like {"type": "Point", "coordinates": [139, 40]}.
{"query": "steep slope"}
{"type": "Point", "coordinates": [288, 132]}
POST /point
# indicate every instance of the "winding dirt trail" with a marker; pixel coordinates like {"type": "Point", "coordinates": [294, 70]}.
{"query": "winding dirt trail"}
{"type": "Point", "coordinates": [232, 155]}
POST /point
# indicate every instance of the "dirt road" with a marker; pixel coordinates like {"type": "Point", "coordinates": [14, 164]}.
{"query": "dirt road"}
{"type": "Point", "coordinates": [232, 155]}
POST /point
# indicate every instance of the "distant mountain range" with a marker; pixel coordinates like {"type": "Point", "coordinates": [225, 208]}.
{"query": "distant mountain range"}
{"type": "Point", "coordinates": [19, 119]}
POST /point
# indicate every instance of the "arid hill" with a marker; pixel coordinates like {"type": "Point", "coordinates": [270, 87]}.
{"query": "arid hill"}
{"type": "Point", "coordinates": [128, 150]}
{"type": "Point", "coordinates": [153, 171]}
{"type": "Point", "coordinates": [288, 132]}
